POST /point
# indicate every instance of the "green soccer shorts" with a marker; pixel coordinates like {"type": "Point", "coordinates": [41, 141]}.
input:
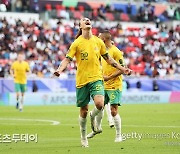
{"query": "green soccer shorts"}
{"type": "Point", "coordinates": [113, 97]}
{"type": "Point", "coordinates": [20, 87]}
{"type": "Point", "coordinates": [91, 89]}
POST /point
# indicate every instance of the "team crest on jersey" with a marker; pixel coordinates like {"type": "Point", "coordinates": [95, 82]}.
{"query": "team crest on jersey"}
{"type": "Point", "coordinates": [96, 48]}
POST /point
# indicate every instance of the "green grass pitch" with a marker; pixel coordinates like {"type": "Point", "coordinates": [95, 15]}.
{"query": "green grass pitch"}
{"type": "Point", "coordinates": [161, 121]}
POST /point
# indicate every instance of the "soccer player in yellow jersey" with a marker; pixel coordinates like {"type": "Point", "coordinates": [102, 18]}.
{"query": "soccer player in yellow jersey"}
{"type": "Point", "coordinates": [112, 84]}
{"type": "Point", "coordinates": [18, 70]}
{"type": "Point", "coordinates": [88, 49]}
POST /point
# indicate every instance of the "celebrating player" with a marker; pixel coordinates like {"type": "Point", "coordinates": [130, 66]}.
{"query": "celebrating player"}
{"type": "Point", "coordinates": [88, 49]}
{"type": "Point", "coordinates": [18, 71]}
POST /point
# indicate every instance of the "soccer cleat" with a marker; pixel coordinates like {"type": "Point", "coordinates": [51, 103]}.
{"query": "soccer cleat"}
{"type": "Point", "coordinates": [111, 124]}
{"type": "Point", "coordinates": [20, 110]}
{"type": "Point", "coordinates": [17, 105]}
{"type": "Point", "coordinates": [92, 134]}
{"type": "Point", "coordinates": [118, 138]}
{"type": "Point", "coordinates": [93, 125]}
{"type": "Point", "coordinates": [84, 143]}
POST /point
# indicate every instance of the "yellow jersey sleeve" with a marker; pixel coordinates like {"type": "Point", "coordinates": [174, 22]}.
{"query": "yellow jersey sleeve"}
{"type": "Point", "coordinates": [72, 51]}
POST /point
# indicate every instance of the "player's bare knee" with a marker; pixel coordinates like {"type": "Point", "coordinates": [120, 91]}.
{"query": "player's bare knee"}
{"type": "Point", "coordinates": [83, 114]}
{"type": "Point", "coordinates": [114, 110]}
{"type": "Point", "coordinates": [84, 111]}
{"type": "Point", "coordinates": [99, 102]}
{"type": "Point", "coordinates": [99, 105]}
{"type": "Point", "coordinates": [113, 113]}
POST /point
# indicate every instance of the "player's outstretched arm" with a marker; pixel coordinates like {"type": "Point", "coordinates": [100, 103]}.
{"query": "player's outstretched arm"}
{"type": "Point", "coordinates": [113, 63]}
{"type": "Point", "coordinates": [62, 67]}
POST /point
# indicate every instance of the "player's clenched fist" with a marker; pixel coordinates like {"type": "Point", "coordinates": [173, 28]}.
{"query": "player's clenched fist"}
{"type": "Point", "coordinates": [128, 71]}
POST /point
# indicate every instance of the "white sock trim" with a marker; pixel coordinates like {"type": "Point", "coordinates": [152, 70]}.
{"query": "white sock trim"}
{"type": "Point", "coordinates": [21, 102]}
{"type": "Point", "coordinates": [108, 111]}
{"type": "Point", "coordinates": [117, 124]}
{"type": "Point", "coordinates": [99, 119]}
{"type": "Point", "coordinates": [82, 123]}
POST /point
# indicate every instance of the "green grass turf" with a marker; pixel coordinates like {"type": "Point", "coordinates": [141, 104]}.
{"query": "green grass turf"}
{"type": "Point", "coordinates": [65, 138]}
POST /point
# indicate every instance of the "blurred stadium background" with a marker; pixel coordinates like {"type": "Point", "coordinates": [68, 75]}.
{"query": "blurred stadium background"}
{"type": "Point", "coordinates": [147, 31]}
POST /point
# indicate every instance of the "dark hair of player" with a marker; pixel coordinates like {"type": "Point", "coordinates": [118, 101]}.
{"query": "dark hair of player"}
{"type": "Point", "coordinates": [79, 32]}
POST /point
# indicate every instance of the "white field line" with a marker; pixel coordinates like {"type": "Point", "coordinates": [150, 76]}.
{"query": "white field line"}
{"type": "Point", "coordinates": [149, 126]}
{"type": "Point", "coordinates": [39, 120]}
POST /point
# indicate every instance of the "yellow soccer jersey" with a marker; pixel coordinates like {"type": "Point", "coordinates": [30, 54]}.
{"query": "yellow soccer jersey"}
{"type": "Point", "coordinates": [20, 70]}
{"type": "Point", "coordinates": [87, 54]}
{"type": "Point", "coordinates": [115, 83]}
